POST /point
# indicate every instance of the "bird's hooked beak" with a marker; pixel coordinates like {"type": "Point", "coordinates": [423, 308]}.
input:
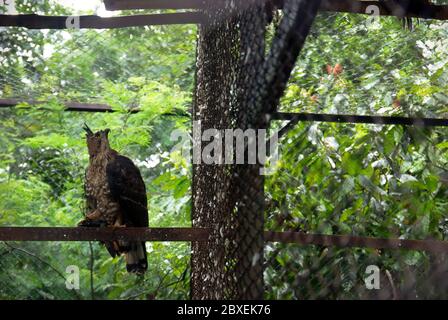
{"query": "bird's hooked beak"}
{"type": "Point", "coordinates": [87, 129]}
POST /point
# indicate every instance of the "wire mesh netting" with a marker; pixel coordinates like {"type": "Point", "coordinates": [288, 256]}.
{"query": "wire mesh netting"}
{"type": "Point", "coordinates": [43, 152]}
{"type": "Point", "coordinates": [236, 87]}
{"type": "Point", "coordinates": [79, 65]}
{"type": "Point", "coordinates": [368, 180]}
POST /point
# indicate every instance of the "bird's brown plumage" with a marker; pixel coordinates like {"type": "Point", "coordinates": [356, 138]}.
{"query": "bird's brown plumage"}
{"type": "Point", "coordinates": [116, 197]}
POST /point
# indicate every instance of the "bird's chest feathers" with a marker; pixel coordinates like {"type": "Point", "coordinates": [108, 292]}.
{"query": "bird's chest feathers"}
{"type": "Point", "coordinates": [97, 185]}
{"type": "Point", "coordinates": [98, 190]}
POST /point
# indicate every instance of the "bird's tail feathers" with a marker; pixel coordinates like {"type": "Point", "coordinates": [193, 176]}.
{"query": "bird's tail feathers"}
{"type": "Point", "coordinates": [136, 259]}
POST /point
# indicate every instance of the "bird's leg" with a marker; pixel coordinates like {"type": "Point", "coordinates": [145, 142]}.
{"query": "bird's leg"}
{"type": "Point", "coordinates": [118, 223]}
{"type": "Point", "coordinates": [122, 245]}
{"type": "Point", "coordinates": [94, 215]}
{"type": "Point", "coordinates": [119, 226]}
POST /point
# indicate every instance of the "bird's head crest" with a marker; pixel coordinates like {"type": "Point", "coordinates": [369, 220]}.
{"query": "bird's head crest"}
{"type": "Point", "coordinates": [87, 129]}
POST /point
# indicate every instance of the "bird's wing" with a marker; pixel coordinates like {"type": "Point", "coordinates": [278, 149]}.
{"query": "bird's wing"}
{"type": "Point", "coordinates": [127, 187]}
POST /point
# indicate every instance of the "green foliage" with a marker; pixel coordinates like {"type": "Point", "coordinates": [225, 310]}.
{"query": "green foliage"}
{"type": "Point", "coordinates": [43, 153]}
{"type": "Point", "coordinates": [367, 180]}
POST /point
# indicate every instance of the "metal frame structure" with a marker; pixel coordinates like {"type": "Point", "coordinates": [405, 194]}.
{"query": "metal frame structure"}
{"type": "Point", "coordinates": [196, 234]}
{"type": "Point", "coordinates": [203, 235]}
{"type": "Point", "coordinates": [34, 21]}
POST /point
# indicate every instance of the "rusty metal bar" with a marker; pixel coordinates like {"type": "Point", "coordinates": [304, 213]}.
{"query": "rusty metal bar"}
{"type": "Point", "coordinates": [82, 107]}
{"type": "Point", "coordinates": [70, 106]}
{"type": "Point", "coordinates": [34, 21]}
{"type": "Point", "coordinates": [348, 241]}
{"type": "Point", "coordinates": [296, 117]}
{"type": "Point", "coordinates": [342, 118]}
{"type": "Point", "coordinates": [406, 9]}
{"type": "Point", "coordinates": [413, 9]}
{"type": "Point", "coordinates": [152, 4]}
{"type": "Point", "coordinates": [102, 234]}
{"type": "Point", "coordinates": [202, 235]}
{"type": "Point", "coordinates": [91, 107]}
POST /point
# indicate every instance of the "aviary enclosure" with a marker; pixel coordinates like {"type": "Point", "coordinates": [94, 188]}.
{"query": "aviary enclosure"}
{"type": "Point", "coordinates": [356, 92]}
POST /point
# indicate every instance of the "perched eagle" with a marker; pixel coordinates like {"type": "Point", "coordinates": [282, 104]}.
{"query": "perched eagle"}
{"type": "Point", "coordinates": [116, 197]}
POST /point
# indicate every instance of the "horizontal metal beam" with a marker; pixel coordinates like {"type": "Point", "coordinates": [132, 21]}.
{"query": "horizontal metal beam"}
{"type": "Point", "coordinates": [203, 234]}
{"type": "Point", "coordinates": [386, 8]}
{"type": "Point", "coordinates": [348, 241]}
{"type": "Point", "coordinates": [401, 9]}
{"type": "Point", "coordinates": [381, 120]}
{"type": "Point", "coordinates": [102, 234]}
{"type": "Point", "coordinates": [70, 106]}
{"type": "Point", "coordinates": [295, 117]}
{"type": "Point", "coordinates": [152, 4]}
{"type": "Point", "coordinates": [34, 21]}
{"type": "Point", "coordinates": [82, 107]}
